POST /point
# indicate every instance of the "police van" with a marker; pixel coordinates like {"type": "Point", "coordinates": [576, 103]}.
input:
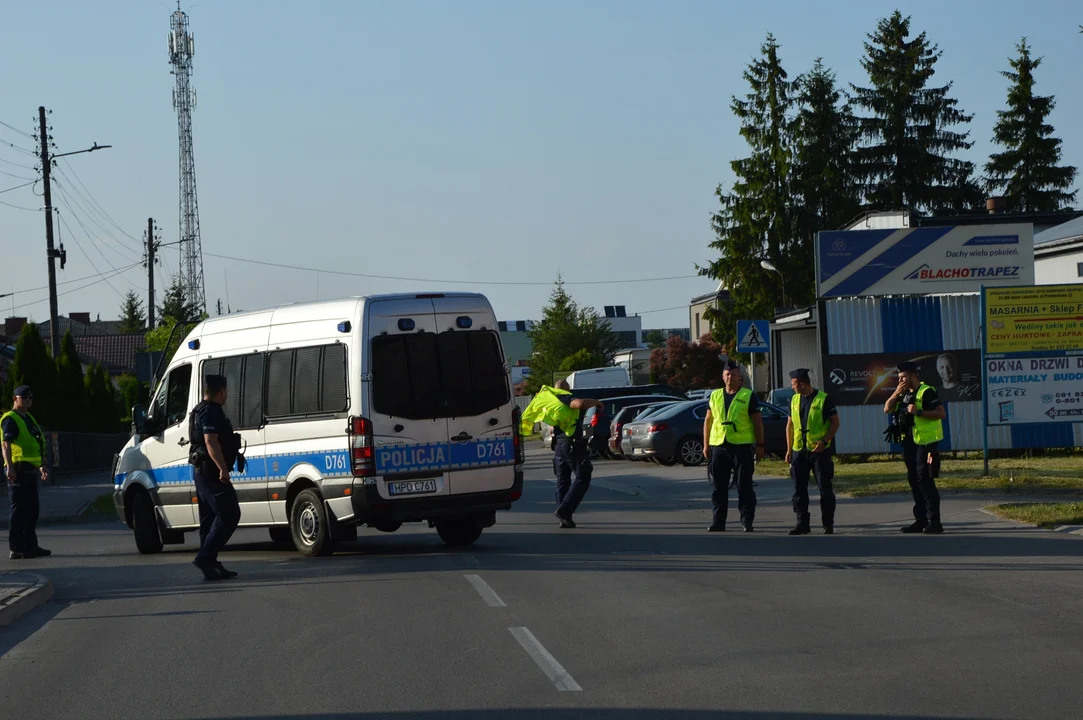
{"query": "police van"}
{"type": "Point", "coordinates": [373, 411]}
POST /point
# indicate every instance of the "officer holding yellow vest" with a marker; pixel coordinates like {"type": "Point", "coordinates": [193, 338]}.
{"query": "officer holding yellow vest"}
{"type": "Point", "coordinates": [810, 435]}
{"type": "Point", "coordinates": [24, 463]}
{"type": "Point", "coordinates": [922, 426]}
{"type": "Point", "coordinates": [733, 442]}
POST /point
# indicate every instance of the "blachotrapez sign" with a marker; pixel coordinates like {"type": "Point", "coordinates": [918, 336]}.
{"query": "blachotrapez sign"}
{"type": "Point", "coordinates": [924, 260]}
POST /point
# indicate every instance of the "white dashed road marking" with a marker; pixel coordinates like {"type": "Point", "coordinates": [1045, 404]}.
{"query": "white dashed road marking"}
{"type": "Point", "coordinates": [549, 665]}
{"type": "Point", "coordinates": [487, 594]}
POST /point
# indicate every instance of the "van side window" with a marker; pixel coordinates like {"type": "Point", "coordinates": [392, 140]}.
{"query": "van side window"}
{"type": "Point", "coordinates": [307, 381]}
{"type": "Point", "coordinates": [244, 378]}
{"type": "Point", "coordinates": [176, 402]}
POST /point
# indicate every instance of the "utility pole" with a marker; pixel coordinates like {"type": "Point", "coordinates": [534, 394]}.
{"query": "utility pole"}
{"type": "Point", "coordinates": [52, 253]}
{"type": "Point", "coordinates": [152, 245]}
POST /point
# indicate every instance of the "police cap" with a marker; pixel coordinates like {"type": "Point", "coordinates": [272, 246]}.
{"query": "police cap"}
{"type": "Point", "coordinates": [23, 391]}
{"type": "Point", "coordinates": [730, 364]}
{"type": "Point", "coordinates": [800, 374]}
{"type": "Point", "coordinates": [908, 366]}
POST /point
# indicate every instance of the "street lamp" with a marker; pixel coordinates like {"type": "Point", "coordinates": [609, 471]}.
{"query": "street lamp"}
{"type": "Point", "coordinates": [766, 265]}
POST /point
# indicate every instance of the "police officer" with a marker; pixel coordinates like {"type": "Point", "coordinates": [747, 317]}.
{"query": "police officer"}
{"type": "Point", "coordinates": [810, 434]}
{"type": "Point", "coordinates": [732, 442]}
{"type": "Point", "coordinates": [24, 462]}
{"type": "Point", "coordinates": [570, 456]}
{"type": "Point", "coordinates": [921, 423]}
{"type": "Point", "coordinates": [214, 451]}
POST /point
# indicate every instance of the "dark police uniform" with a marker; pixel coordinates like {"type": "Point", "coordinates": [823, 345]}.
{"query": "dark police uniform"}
{"type": "Point", "coordinates": [733, 443]}
{"type": "Point", "coordinates": [811, 417]}
{"type": "Point", "coordinates": [219, 511]}
{"type": "Point", "coordinates": [570, 456]}
{"type": "Point", "coordinates": [28, 457]}
{"type": "Point", "coordinates": [920, 445]}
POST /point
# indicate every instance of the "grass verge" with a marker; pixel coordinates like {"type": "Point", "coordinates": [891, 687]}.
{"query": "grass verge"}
{"type": "Point", "coordinates": [883, 475]}
{"type": "Point", "coordinates": [1042, 514]}
{"type": "Point", "coordinates": [102, 505]}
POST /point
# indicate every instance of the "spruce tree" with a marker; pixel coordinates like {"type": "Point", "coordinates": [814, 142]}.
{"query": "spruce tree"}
{"type": "Point", "coordinates": [34, 366]}
{"type": "Point", "coordinates": [132, 317]}
{"type": "Point", "coordinates": [566, 330]}
{"type": "Point", "coordinates": [827, 193]}
{"type": "Point", "coordinates": [70, 386]}
{"type": "Point", "coordinates": [175, 303]}
{"type": "Point", "coordinates": [905, 160]}
{"type": "Point", "coordinates": [1027, 173]}
{"type": "Point", "coordinates": [756, 219]}
{"type": "Point", "coordinates": [102, 405]}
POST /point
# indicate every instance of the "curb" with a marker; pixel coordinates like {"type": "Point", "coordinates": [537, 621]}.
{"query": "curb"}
{"type": "Point", "coordinates": [1065, 529]}
{"type": "Point", "coordinates": [25, 600]}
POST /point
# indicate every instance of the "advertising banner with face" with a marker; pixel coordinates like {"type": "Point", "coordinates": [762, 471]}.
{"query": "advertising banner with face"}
{"type": "Point", "coordinates": [871, 379]}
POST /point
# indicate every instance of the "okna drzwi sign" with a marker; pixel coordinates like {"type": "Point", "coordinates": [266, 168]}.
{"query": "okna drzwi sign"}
{"type": "Point", "coordinates": [917, 261]}
{"type": "Point", "coordinates": [1032, 354]}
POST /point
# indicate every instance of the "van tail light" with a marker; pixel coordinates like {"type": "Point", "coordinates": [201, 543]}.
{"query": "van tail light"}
{"type": "Point", "coordinates": [362, 448]}
{"type": "Point", "coordinates": [657, 427]}
{"type": "Point", "coordinates": [517, 434]}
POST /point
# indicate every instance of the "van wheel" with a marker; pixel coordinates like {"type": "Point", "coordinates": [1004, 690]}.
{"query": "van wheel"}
{"type": "Point", "coordinates": [690, 452]}
{"type": "Point", "coordinates": [281, 535]}
{"type": "Point", "coordinates": [460, 532]}
{"type": "Point", "coordinates": [147, 538]}
{"type": "Point", "coordinates": [309, 525]}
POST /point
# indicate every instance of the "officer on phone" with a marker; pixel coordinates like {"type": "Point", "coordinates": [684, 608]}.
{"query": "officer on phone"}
{"type": "Point", "coordinates": [215, 449]}
{"type": "Point", "coordinates": [810, 435]}
{"type": "Point", "coordinates": [732, 443]}
{"type": "Point", "coordinates": [920, 427]}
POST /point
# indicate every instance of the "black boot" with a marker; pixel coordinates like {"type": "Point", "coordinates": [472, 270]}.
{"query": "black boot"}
{"type": "Point", "coordinates": [934, 527]}
{"type": "Point", "coordinates": [915, 527]}
{"type": "Point", "coordinates": [801, 529]}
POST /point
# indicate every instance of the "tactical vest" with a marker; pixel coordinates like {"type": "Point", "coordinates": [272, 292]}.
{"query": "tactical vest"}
{"type": "Point", "coordinates": [817, 426]}
{"type": "Point", "coordinates": [926, 430]}
{"type": "Point", "coordinates": [28, 447]}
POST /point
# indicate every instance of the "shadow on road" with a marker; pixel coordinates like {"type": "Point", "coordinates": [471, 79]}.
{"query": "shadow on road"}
{"type": "Point", "coordinates": [590, 714]}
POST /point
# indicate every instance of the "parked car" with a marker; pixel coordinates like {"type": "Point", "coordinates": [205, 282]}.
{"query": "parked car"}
{"type": "Point", "coordinates": [652, 391]}
{"type": "Point", "coordinates": [675, 434]}
{"type": "Point", "coordinates": [598, 421]}
{"type": "Point", "coordinates": [625, 416]}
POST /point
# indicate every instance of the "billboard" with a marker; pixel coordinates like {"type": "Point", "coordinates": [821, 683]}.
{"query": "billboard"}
{"type": "Point", "coordinates": [1034, 389]}
{"type": "Point", "coordinates": [1042, 318]}
{"type": "Point", "coordinates": [871, 379]}
{"type": "Point", "coordinates": [925, 260]}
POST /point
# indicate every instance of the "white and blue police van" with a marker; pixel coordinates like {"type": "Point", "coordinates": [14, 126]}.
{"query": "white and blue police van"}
{"type": "Point", "coordinates": [374, 411]}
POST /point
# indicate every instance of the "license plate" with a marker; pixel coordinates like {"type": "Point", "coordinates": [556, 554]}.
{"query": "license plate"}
{"type": "Point", "coordinates": [411, 487]}
{"type": "Point", "coordinates": [637, 451]}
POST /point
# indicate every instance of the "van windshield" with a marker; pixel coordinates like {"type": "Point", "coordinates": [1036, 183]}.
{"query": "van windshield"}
{"type": "Point", "coordinates": [420, 376]}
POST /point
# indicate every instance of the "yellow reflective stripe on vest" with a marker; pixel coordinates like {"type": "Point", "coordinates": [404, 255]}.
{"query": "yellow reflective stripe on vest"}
{"type": "Point", "coordinates": [926, 430]}
{"type": "Point", "coordinates": [26, 448]}
{"type": "Point", "coordinates": [817, 427]}
{"type": "Point", "coordinates": [736, 427]}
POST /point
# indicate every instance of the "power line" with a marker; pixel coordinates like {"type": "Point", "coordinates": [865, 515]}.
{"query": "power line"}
{"type": "Point", "coordinates": [18, 147]}
{"type": "Point", "coordinates": [15, 129]}
{"type": "Point", "coordinates": [93, 200]}
{"type": "Point", "coordinates": [90, 217]}
{"type": "Point", "coordinates": [18, 186]}
{"type": "Point", "coordinates": [24, 167]}
{"type": "Point", "coordinates": [20, 207]}
{"type": "Point", "coordinates": [17, 177]}
{"type": "Point", "coordinates": [82, 250]}
{"type": "Point", "coordinates": [668, 309]}
{"type": "Point", "coordinates": [101, 279]}
{"type": "Point", "coordinates": [447, 282]}
{"type": "Point", "coordinates": [62, 282]}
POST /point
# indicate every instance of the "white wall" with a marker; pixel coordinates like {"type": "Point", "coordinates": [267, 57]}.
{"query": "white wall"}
{"type": "Point", "coordinates": [1058, 269]}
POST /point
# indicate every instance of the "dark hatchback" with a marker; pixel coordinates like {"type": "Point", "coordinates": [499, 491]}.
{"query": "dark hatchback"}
{"type": "Point", "coordinates": [675, 434]}
{"type": "Point", "coordinates": [597, 422]}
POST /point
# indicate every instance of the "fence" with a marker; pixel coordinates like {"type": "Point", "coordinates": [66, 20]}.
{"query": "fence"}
{"type": "Point", "coordinates": [84, 452]}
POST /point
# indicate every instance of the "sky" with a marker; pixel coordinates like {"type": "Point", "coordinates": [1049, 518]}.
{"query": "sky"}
{"type": "Point", "coordinates": [491, 143]}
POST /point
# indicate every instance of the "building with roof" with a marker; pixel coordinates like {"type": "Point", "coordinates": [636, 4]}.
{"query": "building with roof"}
{"type": "Point", "coordinates": [1058, 254]}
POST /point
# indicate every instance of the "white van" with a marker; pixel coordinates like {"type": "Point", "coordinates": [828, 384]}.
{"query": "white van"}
{"type": "Point", "coordinates": [375, 411]}
{"type": "Point", "coordinates": [599, 377]}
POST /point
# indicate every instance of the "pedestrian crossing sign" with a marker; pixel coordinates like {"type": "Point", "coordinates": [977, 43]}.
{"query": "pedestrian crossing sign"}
{"type": "Point", "coordinates": [753, 336]}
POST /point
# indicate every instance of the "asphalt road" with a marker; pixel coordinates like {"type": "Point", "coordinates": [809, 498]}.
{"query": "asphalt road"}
{"type": "Point", "coordinates": [637, 614]}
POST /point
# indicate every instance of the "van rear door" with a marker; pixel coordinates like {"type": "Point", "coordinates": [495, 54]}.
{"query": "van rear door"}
{"type": "Point", "coordinates": [410, 429]}
{"type": "Point", "coordinates": [477, 393]}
